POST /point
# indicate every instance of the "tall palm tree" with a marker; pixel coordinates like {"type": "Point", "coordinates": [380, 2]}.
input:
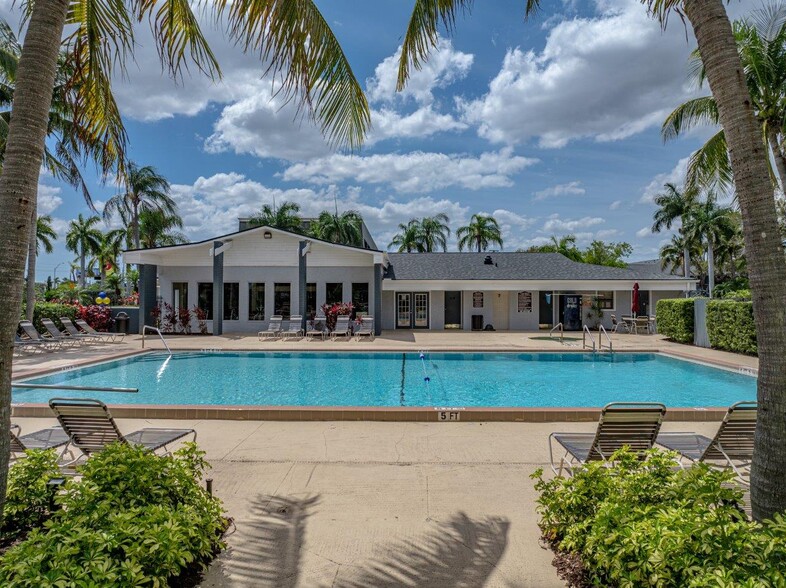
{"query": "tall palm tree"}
{"type": "Point", "coordinates": [344, 228]}
{"type": "Point", "coordinates": [766, 264]}
{"type": "Point", "coordinates": [145, 189]}
{"type": "Point", "coordinates": [408, 238]}
{"type": "Point", "coordinates": [434, 232]}
{"type": "Point", "coordinates": [44, 234]}
{"type": "Point", "coordinates": [83, 238]}
{"type": "Point", "coordinates": [284, 217]}
{"type": "Point", "coordinates": [674, 205]}
{"type": "Point", "coordinates": [107, 250]}
{"type": "Point", "coordinates": [157, 229]}
{"type": "Point", "coordinates": [567, 246]}
{"type": "Point", "coordinates": [482, 231]}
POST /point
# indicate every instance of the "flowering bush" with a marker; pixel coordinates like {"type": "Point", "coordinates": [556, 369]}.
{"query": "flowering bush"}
{"type": "Point", "coordinates": [155, 312]}
{"type": "Point", "coordinates": [332, 311]}
{"type": "Point", "coordinates": [132, 300]}
{"type": "Point", "coordinates": [98, 317]}
{"type": "Point", "coordinates": [200, 314]}
{"type": "Point", "coordinates": [170, 317]}
{"type": "Point", "coordinates": [184, 319]}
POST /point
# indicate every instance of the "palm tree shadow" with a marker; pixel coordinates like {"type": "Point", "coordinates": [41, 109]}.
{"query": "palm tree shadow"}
{"type": "Point", "coordinates": [266, 550]}
{"type": "Point", "coordinates": [459, 553]}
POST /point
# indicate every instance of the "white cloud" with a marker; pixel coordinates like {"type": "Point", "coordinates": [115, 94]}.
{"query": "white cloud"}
{"type": "Point", "coordinates": [569, 189]}
{"type": "Point", "coordinates": [556, 224]}
{"type": "Point", "coordinates": [644, 232]}
{"type": "Point", "coordinates": [615, 205]}
{"type": "Point", "coordinates": [423, 122]}
{"type": "Point", "coordinates": [48, 199]}
{"type": "Point", "coordinates": [606, 77]}
{"type": "Point", "coordinates": [414, 172]}
{"type": "Point", "coordinates": [675, 176]}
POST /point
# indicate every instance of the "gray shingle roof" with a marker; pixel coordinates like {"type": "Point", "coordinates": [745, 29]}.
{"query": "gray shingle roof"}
{"type": "Point", "coordinates": [509, 266]}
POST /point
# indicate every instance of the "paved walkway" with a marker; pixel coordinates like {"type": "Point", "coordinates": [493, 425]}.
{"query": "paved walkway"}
{"type": "Point", "coordinates": [358, 504]}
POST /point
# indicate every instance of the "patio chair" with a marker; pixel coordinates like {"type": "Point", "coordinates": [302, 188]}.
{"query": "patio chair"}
{"type": "Point", "coordinates": [642, 322]}
{"type": "Point", "coordinates": [21, 344]}
{"type": "Point", "coordinates": [72, 331]}
{"type": "Point", "coordinates": [273, 328]}
{"type": "Point", "coordinates": [733, 442]}
{"type": "Point", "coordinates": [33, 335]}
{"type": "Point", "coordinates": [295, 327]}
{"type": "Point", "coordinates": [91, 428]}
{"type": "Point", "coordinates": [111, 337]}
{"type": "Point", "coordinates": [622, 424]}
{"type": "Point", "coordinates": [365, 328]}
{"type": "Point", "coordinates": [316, 328]}
{"type": "Point", "coordinates": [44, 439]}
{"type": "Point", "coordinates": [56, 334]}
{"type": "Point", "coordinates": [615, 324]}
{"type": "Point", "coordinates": [342, 328]}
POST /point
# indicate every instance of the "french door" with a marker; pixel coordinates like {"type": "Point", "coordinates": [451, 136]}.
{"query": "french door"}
{"type": "Point", "coordinates": [412, 310]}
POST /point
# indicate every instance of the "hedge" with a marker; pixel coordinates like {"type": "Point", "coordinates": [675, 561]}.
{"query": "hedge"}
{"type": "Point", "coordinates": [53, 311]}
{"type": "Point", "coordinates": [675, 319]}
{"type": "Point", "coordinates": [730, 326]}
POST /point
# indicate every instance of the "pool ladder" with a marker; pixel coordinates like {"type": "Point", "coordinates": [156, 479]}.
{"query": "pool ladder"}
{"type": "Point", "coordinates": [601, 332]}
{"type": "Point", "coordinates": [561, 332]}
{"type": "Point", "coordinates": [161, 336]}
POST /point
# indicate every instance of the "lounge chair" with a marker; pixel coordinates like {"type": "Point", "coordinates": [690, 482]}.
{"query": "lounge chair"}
{"type": "Point", "coordinates": [316, 328]}
{"type": "Point", "coordinates": [365, 328]}
{"type": "Point", "coordinates": [44, 439]}
{"type": "Point", "coordinates": [21, 344]}
{"type": "Point", "coordinates": [622, 424]}
{"type": "Point", "coordinates": [295, 326]}
{"type": "Point", "coordinates": [111, 337]}
{"type": "Point", "coordinates": [342, 328]}
{"type": "Point", "coordinates": [732, 443]}
{"type": "Point", "coordinates": [74, 332]}
{"type": "Point", "coordinates": [32, 334]}
{"type": "Point", "coordinates": [56, 334]}
{"type": "Point", "coordinates": [273, 328]}
{"type": "Point", "coordinates": [91, 428]}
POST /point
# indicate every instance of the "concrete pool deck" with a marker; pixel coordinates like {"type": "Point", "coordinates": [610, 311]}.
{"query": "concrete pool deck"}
{"type": "Point", "coordinates": [357, 504]}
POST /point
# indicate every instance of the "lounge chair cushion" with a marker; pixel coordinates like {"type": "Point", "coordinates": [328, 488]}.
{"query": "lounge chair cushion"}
{"type": "Point", "coordinates": [577, 444]}
{"type": "Point", "coordinates": [691, 445]}
{"type": "Point", "coordinates": [43, 439]}
{"type": "Point", "coordinates": [153, 439]}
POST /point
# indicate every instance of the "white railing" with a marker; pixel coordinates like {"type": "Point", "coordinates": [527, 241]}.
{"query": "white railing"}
{"type": "Point", "coordinates": [155, 330]}
{"type": "Point", "coordinates": [585, 332]}
{"type": "Point", "coordinates": [601, 332]}
{"type": "Point", "coordinates": [561, 331]}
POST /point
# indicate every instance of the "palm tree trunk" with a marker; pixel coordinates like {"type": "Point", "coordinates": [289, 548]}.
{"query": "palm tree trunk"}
{"type": "Point", "coordinates": [710, 267]}
{"type": "Point", "coordinates": [766, 262]}
{"type": "Point", "coordinates": [32, 247]}
{"type": "Point", "coordinates": [82, 267]}
{"type": "Point", "coordinates": [686, 262]}
{"type": "Point", "coordinates": [18, 185]}
{"type": "Point", "coordinates": [135, 228]}
{"type": "Point", "coordinates": [777, 155]}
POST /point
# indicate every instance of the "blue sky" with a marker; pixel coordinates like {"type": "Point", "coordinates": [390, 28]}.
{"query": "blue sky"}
{"type": "Point", "coordinates": [552, 125]}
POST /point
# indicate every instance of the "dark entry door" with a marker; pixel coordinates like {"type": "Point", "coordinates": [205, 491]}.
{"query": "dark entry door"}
{"type": "Point", "coordinates": [570, 312]}
{"type": "Point", "coordinates": [453, 310]}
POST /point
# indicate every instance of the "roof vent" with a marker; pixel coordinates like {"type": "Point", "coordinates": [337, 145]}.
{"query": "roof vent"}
{"type": "Point", "coordinates": [488, 260]}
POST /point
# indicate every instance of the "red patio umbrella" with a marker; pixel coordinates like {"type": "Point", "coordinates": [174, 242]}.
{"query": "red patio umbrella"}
{"type": "Point", "coordinates": [634, 307]}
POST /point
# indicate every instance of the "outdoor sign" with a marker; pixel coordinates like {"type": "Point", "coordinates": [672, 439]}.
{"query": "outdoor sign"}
{"type": "Point", "coordinates": [525, 302]}
{"type": "Point", "coordinates": [477, 300]}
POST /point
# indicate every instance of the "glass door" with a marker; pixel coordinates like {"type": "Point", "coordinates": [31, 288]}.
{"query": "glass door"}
{"type": "Point", "coordinates": [421, 310]}
{"type": "Point", "coordinates": [403, 310]}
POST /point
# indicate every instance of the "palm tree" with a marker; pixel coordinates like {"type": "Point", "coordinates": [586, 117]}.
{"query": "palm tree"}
{"type": "Point", "coordinates": [157, 229]}
{"type": "Point", "coordinates": [344, 228]}
{"type": "Point", "coordinates": [284, 217]}
{"type": "Point", "coordinates": [434, 232]}
{"type": "Point", "coordinates": [408, 238]}
{"type": "Point", "coordinates": [107, 250]}
{"type": "Point", "coordinates": [83, 238]}
{"type": "Point", "coordinates": [44, 234]}
{"type": "Point", "coordinates": [567, 246]}
{"type": "Point", "coordinates": [145, 189]}
{"type": "Point", "coordinates": [482, 231]}
{"type": "Point", "coordinates": [673, 205]}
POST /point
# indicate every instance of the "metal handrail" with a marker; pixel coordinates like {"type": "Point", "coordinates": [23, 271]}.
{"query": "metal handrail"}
{"type": "Point", "coordinates": [561, 331]}
{"type": "Point", "coordinates": [585, 332]}
{"type": "Point", "coordinates": [81, 388]}
{"type": "Point", "coordinates": [602, 331]}
{"type": "Point", "coordinates": [155, 330]}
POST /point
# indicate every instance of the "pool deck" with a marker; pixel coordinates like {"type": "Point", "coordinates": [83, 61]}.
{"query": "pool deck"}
{"type": "Point", "coordinates": [360, 504]}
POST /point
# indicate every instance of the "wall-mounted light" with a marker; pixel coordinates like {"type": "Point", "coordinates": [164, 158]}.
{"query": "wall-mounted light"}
{"type": "Point", "coordinates": [267, 235]}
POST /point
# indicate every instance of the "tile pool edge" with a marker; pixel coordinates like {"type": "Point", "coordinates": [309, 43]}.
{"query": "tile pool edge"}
{"type": "Point", "coordinates": [365, 413]}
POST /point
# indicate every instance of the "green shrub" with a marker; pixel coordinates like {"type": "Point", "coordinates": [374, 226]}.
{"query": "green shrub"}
{"type": "Point", "coordinates": [53, 311]}
{"type": "Point", "coordinates": [730, 326]}
{"type": "Point", "coordinates": [636, 523]}
{"type": "Point", "coordinates": [133, 519]}
{"type": "Point", "coordinates": [675, 318]}
{"type": "Point", "coordinates": [27, 497]}
{"type": "Point", "coordinates": [744, 295]}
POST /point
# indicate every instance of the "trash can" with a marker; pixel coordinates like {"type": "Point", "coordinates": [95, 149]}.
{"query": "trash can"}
{"type": "Point", "coordinates": [477, 322]}
{"type": "Point", "coordinates": [121, 322]}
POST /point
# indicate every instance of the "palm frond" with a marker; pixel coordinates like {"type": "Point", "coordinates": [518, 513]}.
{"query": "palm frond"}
{"type": "Point", "coordinates": [699, 111]}
{"type": "Point", "coordinates": [709, 167]}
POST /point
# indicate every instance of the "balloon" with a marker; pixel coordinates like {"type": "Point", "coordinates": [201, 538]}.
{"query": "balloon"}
{"type": "Point", "coordinates": [98, 300]}
{"type": "Point", "coordinates": [102, 294]}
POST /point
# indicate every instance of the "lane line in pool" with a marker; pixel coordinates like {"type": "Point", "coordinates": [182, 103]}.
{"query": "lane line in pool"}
{"type": "Point", "coordinates": [403, 378]}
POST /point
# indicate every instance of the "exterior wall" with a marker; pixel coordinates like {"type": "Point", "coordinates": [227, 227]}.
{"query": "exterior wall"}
{"type": "Point", "coordinates": [487, 311]}
{"type": "Point", "coordinates": [524, 321]}
{"type": "Point", "coordinates": [388, 309]}
{"type": "Point", "coordinates": [437, 310]}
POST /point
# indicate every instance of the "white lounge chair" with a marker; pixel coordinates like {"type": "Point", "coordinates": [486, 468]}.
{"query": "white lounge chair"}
{"type": "Point", "coordinates": [316, 327]}
{"type": "Point", "coordinates": [365, 327]}
{"type": "Point", "coordinates": [295, 327]}
{"type": "Point", "coordinates": [273, 328]}
{"type": "Point", "coordinates": [342, 328]}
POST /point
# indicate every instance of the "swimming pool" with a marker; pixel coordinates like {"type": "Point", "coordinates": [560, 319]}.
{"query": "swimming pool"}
{"type": "Point", "coordinates": [401, 379]}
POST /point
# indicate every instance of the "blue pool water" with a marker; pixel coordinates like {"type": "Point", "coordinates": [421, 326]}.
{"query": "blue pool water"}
{"type": "Point", "coordinates": [399, 379]}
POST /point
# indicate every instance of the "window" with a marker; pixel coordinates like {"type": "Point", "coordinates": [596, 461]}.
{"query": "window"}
{"type": "Point", "coordinates": [360, 297]}
{"type": "Point", "coordinates": [179, 295]}
{"type": "Point", "coordinates": [256, 302]}
{"type": "Point", "coordinates": [282, 296]}
{"type": "Point", "coordinates": [311, 299]}
{"type": "Point", "coordinates": [606, 300]}
{"type": "Point", "coordinates": [205, 298]}
{"type": "Point", "coordinates": [334, 292]}
{"type": "Point", "coordinates": [231, 301]}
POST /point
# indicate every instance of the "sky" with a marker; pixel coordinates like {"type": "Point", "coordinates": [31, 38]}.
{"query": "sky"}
{"type": "Point", "coordinates": [552, 125]}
